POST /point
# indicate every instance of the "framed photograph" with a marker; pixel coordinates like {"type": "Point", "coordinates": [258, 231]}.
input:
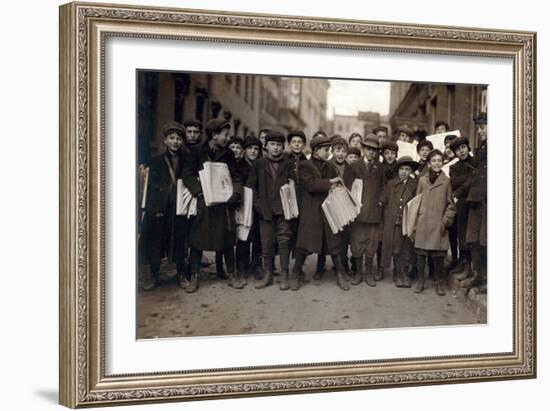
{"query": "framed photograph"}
{"type": "Point", "coordinates": [262, 204]}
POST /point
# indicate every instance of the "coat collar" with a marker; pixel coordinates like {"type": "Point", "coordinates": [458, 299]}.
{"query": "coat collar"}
{"type": "Point", "coordinates": [442, 178]}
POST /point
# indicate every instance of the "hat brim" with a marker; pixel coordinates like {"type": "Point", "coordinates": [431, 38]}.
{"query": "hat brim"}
{"type": "Point", "coordinates": [411, 164]}
{"type": "Point", "coordinates": [370, 145]}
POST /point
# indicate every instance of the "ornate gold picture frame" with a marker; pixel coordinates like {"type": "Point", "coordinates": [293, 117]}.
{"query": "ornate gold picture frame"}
{"type": "Point", "coordinates": [84, 30]}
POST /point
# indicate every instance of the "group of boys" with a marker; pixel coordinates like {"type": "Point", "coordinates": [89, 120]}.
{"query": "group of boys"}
{"type": "Point", "coordinates": [389, 182]}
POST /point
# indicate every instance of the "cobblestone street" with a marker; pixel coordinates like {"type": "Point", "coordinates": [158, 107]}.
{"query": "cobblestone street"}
{"type": "Point", "coordinates": [217, 309]}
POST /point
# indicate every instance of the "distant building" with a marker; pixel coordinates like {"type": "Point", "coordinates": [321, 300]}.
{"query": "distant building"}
{"type": "Point", "coordinates": [346, 124]}
{"type": "Point", "coordinates": [370, 121]}
{"type": "Point", "coordinates": [420, 106]}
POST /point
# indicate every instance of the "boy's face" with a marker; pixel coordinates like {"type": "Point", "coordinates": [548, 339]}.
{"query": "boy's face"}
{"type": "Point", "coordinates": [448, 152]}
{"type": "Point", "coordinates": [423, 152]}
{"type": "Point", "coordinates": [436, 162]}
{"type": "Point", "coordinates": [355, 142]}
{"type": "Point", "coordinates": [262, 137]}
{"type": "Point", "coordinates": [352, 158]}
{"type": "Point", "coordinates": [404, 172]}
{"type": "Point", "coordinates": [462, 151]}
{"type": "Point", "coordinates": [220, 139]}
{"type": "Point", "coordinates": [440, 129]}
{"type": "Point", "coordinates": [251, 152]}
{"type": "Point", "coordinates": [173, 142]}
{"type": "Point", "coordinates": [274, 148]}
{"type": "Point", "coordinates": [296, 145]}
{"type": "Point", "coordinates": [370, 153]}
{"type": "Point", "coordinates": [339, 152]}
{"type": "Point", "coordinates": [404, 137]}
{"type": "Point", "coordinates": [381, 134]}
{"type": "Point", "coordinates": [322, 152]}
{"type": "Point", "coordinates": [389, 156]}
{"type": "Point", "coordinates": [192, 134]}
{"type": "Point", "coordinates": [237, 149]}
{"type": "Point", "coordinates": [482, 131]}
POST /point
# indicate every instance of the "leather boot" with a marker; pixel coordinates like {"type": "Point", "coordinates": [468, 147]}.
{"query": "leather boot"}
{"type": "Point", "coordinates": [368, 277]}
{"type": "Point", "coordinates": [284, 280]}
{"type": "Point", "coordinates": [358, 274]}
{"type": "Point", "coordinates": [405, 279]}
{"type": "Point", "coordinates": [439, 287]}
{"type": "Point", "coordinates": [379, 276]}
{"type": "Point", "coordinates": [293, 280]}
{"type": "Point", "coordinates": [342, 281]}
{"type": "Point", "coordinates": [150, 282]}
{"type": "Point", "coordinates": [472, 281]}
{"type": "Point", "coordinates": [396, 274]}
{"type": "Point", "coordinates": [193, 283]}
{"type": "Point", "coordinates": [420, 282]}
{"type": "Point", "coordinates": [183, 282]}
{"type": "Point", "coordinates": [266, 280]}
{"type": "Point", "coordinates": [236, 281]}
{"type": "Point", "coordinates": [465, 273]}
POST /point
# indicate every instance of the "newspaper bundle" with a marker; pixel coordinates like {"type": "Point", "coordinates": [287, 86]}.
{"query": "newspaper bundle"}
{"type": "Point", "coordinates": [409, 215]}
{"type": "Point", "coordinates": [340, 208]}
{"type": "Point", "coordinates": [243, 215]}
{"type": "Point", "coordinates": [186, 204]}
{"type": "Point", "coordinates": [289, 200]}
{"type": "Point", "coordinates": [357, 192]}
{"type": "Point", "coordinates": [438, 140]}
{"type": "Point", "coordinates": [407, 149]}
{"type": "Point", "coordinates": [216, 183]}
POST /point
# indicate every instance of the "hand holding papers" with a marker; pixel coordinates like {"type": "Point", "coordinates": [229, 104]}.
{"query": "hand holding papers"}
{"type": "Point", "coordinates": [243, 215]}
{"type": "Point", "coordinates": [289, 201]}
{"type": "Point", "coordinates": [409, 215]}
{"type": "Point", "coordinates": [186, 204]}
{"type": "Point", "coordinates": [216, 183]}
{"type": "Point", "coordinates": [340, 208]}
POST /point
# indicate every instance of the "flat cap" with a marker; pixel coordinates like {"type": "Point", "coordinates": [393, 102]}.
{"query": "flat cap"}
{"type": "Point", "coordinates": [481, 118]}
{"type": "Point", "coordinates": [354, 150]}
{"type": "Point", "coordinates": [380, 128]}
{"type": "Point", "coordinates": [319, 141]}
{"type": "Point", "coordinates": [371, 141]}
{"type": "Point", "coordinates": [424, 143]}
{"type": "Point", "coordinates": [274, 136]}
{"type": "Point", "coordinates": [390, 145]}
{"type": "Point", "coordinates": [252, 141]}
{"type": "Point", "coordinates": [457, 142]}
{"type": "Point", "coordinates": [406, 161]}
{"type": "Point", "coordinates": [216, 125]}
{"type": "Point", "coordinates": [173, 127]}
{"type": "Point", "coordinates": [296, 133]}
{"type": "Point", "coordinates": [407, 130]}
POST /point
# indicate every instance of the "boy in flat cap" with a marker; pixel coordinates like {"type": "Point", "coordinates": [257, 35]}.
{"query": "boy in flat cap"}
{"type": "Point", "coordinates": [193, 133]}
{"type": "Point", "coordinates": [404, 133]}
{"type": "Point", "coordinates": [354, 140]}
{"type": "Point", "coordinates": [449, 154]}
{"type": "Point", "coordinates": [397, 193]}
{"type": "Point", "coordinates": [267, 175]}
{"type": "Point", "coordinates": [165, 232]}
{"type": "Point", "coordinates": [317, 176]}
{"type": "Point", "coordinates": [354, 154]}
{"type": "Point", "coordinates": [459, 173]}
{"type": "Point", "coordinates": [248, 253]}
{"type": "Point", "coordinates": [366, 229]}
{"type": "Point", "coordinates": [435, 215]}
{"type": "Point", "coordinates": [423, 148]}
{"type": "Point", "coordinates": [213, 228]}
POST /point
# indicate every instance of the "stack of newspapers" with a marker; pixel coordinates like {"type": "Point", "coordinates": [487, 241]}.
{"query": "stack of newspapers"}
{"type": "Point", "coordinates": [409, 215]}
{"type": "Point", "coordinates": [340, 208]}
{"type": "Point", "coordinates": [289, 200]}
{"type": "Point", "coordinates": [243, 215]}
{"type": "Point", "coordinates": [216, 183]}
{"type": "Point", "coordinates": [186, 204]}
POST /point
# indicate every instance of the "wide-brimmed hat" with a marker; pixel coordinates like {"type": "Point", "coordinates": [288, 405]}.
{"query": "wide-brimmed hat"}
{"type": "Point", "coordinates": [407, 161]}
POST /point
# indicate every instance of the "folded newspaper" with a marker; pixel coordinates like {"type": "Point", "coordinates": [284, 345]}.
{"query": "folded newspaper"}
{"type": "Point", "coordinates": [438, 140]}
{"type": "Point", "coordinates": [340, 208]}
{"type": "Point", "coordinates": [410, 213]}
{"type": "Point", "coordinates": [243, 215]}
{"type": "Point", "coordinates": [357, 192]}
{"type": "Point", "coordinates": [216, 183]}
{"type": "Point", "coordinates": [407, 149]}
{"type": "Point", "coordinates": [186, 204]}
{"type": "Point", "coordinates": [289, 200]}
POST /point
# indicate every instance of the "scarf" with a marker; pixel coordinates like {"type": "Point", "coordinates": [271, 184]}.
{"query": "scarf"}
{"type": "Point", "coordinates": [432, 175]}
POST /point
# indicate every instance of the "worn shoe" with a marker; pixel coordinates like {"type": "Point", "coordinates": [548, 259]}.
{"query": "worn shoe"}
{"type": "Point", "coordinates": [472, 281]}
{"type": "Point", "coordinates": [183, 282]}
{"type": "Point", "coordinates": [236, 281]}
{"type": "Point", "coordinates": [150, 283]}
{"type": "Point", "coordinates": [293, 281]}
{"type": "Point", "coordinates": [342, 281]}
{"type": "Point", "coordinates": [193, 283]}
{"type": "Point", "coordinates": [465, 273]}
{"type": "Point", "coordinates": [379, 276]}
{"type": "Point", "coordinates": [405, 279]}
{"type": "Point", "coordinates": [439, 288]}
{"type": "Point", "coordinates": [284, 281]}
{"type": "Point", "coordinates": [266, 280]}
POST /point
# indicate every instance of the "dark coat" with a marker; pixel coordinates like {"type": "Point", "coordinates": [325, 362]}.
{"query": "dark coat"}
{"type": "Point", "coordinates": [296, 160]}
{"type": "Point", "coordinates": [396, 196]}
{"type": "Point", "coordinates": [213, 228]}
{"type": "Point", "coordinates": [347, 176]}
{"type": "Point", "coordinates": [161, 199]}
{"type": "Point", "coordinates": [315, 188]}
{"type": "Point", "coordinates": [435, 213]}
{"type": "Point", "coordinates": [266, 188]}
{"type": "Point", "coordinates": [374, 180]}
{"type": "Point", "coordinates": [460, 173]}
{"type": "Point", "coordinates": [390, 170]}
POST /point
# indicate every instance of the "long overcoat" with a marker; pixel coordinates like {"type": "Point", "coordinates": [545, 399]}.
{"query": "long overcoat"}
{"type": "Point", "coordinates": [213, 228]}
{"type": "Point", "coordinates": [266, 188]}
{"type": "Point", "coordinates": [396, 195]}
{"type": "Point", "coordinates": [314, 180]}
{"type": "Point", "coordinates": [374, 179]}
{"type": "Point", "coordinates": [296, 160]}
{"type": "Point", "coordinates": [460, 173]}
{"type": "Point", "coordinates": [435, 213]}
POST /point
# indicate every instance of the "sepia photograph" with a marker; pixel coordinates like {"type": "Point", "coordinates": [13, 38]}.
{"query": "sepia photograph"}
{"type": "Point", "coordinates": [280, 204]}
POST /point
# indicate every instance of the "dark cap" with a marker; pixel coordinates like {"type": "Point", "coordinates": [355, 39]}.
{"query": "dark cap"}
{"type": "Point", "coordinates": [390, 145]}
{"type": "Point", "coordinates": [320, 131]}
{"type": "Point", "coordinates": [337, 139]}
{"type": "Point", "coordinates": [252, 141]}
{"type": "Point", "coordinates": [215, 126]}
{"type": "Point", "coordinates": [407, 130]}
{"type": "Point", "coordinates": [481, 118]}
{"type": "Point", "coordinates": [449, 137]}
{"type": "Point", "coordinates": [173, 127]}
{"type": "Point", "coordinates": [442, 123]}
{"type": "Point", "coordinates": [406, 161]}
{"type": "Point", "coordinates": [353, 135]}
{"type": "Point", "coordinates": [354, 150]}
{"type": "Point", "coordinates": [380, 128]}
{"type": "Point", "coordinates": [236, 139]}
{"type": "Point", "coordinates": [424, 143]}
{"type": "Point", "coordinates": [457, 142]}
{"type": "Point", "coordinates": [296, 133]}
{"type": "Point", "coordinates": [371, 141]}
{"type": "Point", "coordinates": [192, 123]}
{"type": "Point", "coordinates": [319, 141]}
{"type": "Point", "coordinates": [275, 136]}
